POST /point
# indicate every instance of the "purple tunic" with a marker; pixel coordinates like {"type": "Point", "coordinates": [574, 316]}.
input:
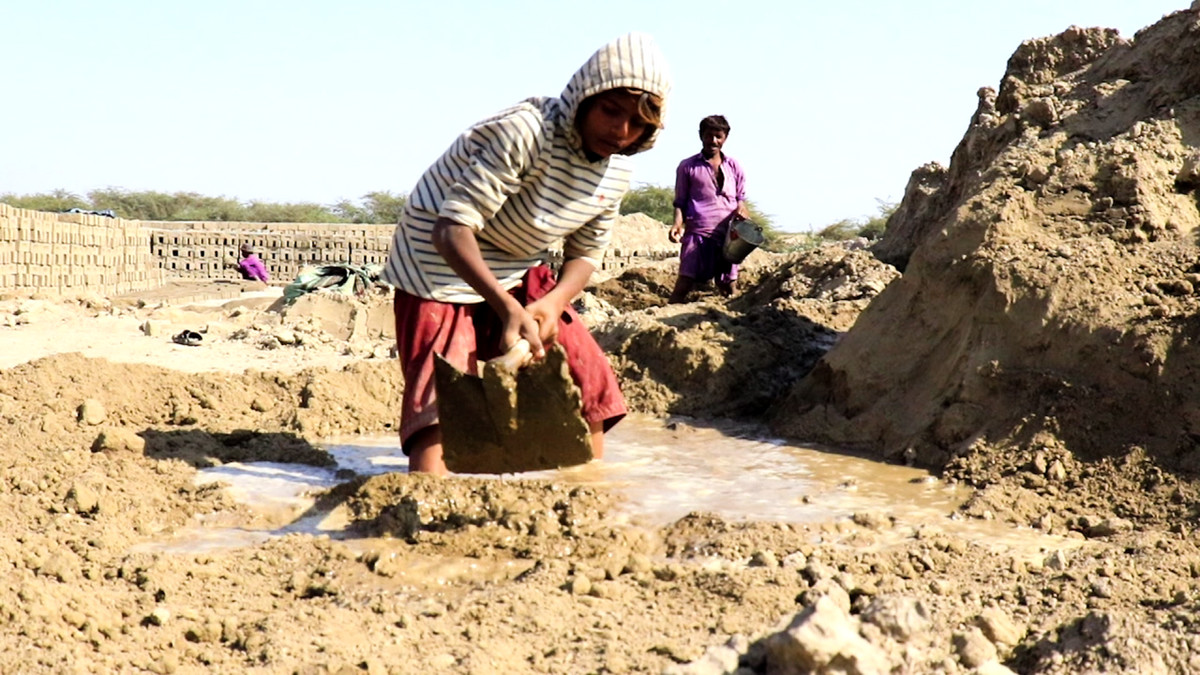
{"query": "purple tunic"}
{"type": "Point", "coordinates": [704, 208]}
{"type": "Point", "coordinates": [253, 268]}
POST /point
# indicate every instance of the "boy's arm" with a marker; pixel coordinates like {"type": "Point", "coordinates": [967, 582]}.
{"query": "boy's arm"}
{"type": "Point", "coordinates": [583, 251]}
{"type": "Point", "coordinates": [500, 156]}
{"type": "Point", "coordinates": [457, 244]}
{"type": "Point", "coordinates": [547, 310]}
{"type": "Point", "coordinates": [494, 173]}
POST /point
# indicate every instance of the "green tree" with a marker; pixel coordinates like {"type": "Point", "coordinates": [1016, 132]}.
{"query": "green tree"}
{"type": "Point", "coordinates": [192, 206]}
{"type": "Point", "coordinates": [56, 201]}
{"type": "Point", "coordinates": [302, 212]}
{"type": "Point", "coordinates": [384, 208]}
{"type": "Point", "coordinates": [347, 211]}
{"type": "Point", "coordinates": [842, 230]}
{"type": "Point", "coordinates": [379, 208]}
{"type": "Point", "coordinates": [210, 209]}
{"type": "Point", "coordinates": [874, 227]}
{"type": "Point", "coordinates": [655, 201]}
{"type": "Point", "coordinates": [148, 205]}
{"type": "Point", "coordinates": [871, 228]}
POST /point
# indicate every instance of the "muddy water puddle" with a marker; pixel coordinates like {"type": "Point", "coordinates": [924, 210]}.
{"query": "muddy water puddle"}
{"type": "Point", "coordinates": [663, 470]}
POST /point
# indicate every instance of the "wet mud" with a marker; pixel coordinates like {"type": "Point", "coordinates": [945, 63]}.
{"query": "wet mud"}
{"type": "Point", "coordinates": [1024, 333]}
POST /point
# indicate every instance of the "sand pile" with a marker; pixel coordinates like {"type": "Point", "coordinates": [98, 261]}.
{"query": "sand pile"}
{"type": "Point", "coordinates": [1049, 292]}
{"type": "Point", "coordinates": [640, 232]}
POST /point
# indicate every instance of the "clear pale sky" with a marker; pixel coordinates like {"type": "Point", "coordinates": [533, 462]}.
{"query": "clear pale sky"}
{"type": "Point", "coordinates": [832, 104]}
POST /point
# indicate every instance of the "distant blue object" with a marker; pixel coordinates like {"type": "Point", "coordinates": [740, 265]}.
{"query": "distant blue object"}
{"type": "Point", "coordinates": [107, 213]}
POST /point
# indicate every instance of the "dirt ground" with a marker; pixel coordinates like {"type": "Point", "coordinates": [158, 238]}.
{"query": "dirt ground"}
{"type": "Point", "coordinates": [1026, 328]}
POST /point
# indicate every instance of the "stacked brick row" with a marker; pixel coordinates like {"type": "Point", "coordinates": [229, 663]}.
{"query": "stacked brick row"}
{"type": "Point", "coordinates": [210, 250]}
{"type": "Point", "coordinates": [66, 253]}
{"type": "Point", "coordinates": [618, 259]}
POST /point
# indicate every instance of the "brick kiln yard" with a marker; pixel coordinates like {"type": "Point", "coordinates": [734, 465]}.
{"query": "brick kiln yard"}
{"type": "Point", "coordinates": [106, 427]}
{"type": "Point", "coordinates": [1033, 338]}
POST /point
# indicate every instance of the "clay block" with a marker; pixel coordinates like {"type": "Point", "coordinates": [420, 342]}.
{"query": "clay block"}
{"type": "Point", "coordinates": [508, 422]}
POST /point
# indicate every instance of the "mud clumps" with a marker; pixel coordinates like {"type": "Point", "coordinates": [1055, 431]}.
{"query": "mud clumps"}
{"type": "Point", "coordinates": [100, 454]}
{"type": "Point", "coordinates": [316, 403]}
{"type": "Point", "coordinates": [1038, 348]}
{"type": "Point", "coordinates": [1051, 283]}
{"type": "Point", "coordinates": [536, 518]}
{"type": "Point", "coordinates": [713, 358]}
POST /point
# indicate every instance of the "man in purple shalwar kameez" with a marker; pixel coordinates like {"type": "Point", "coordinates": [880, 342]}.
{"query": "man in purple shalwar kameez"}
{"type": "Point", "coordinates": [251, 266]}
{"type": "Point", "coordinates": [710, 195]}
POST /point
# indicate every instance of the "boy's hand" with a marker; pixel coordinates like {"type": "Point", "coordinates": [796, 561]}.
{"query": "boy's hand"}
{"type": "Point", "coordinates": [546, 312]}
{"type": "Point", "coordinates": [456, 243]}
{"type": "Point", "coordinates": [676, 233]}
{"type": "Point", "coordinates": [520, 323]}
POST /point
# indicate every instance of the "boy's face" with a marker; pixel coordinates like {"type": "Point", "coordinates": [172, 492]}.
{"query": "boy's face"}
{"type": "Point", "coordinates": [611, 124]}
{"type": "Point", "coordinates": [713, 140]}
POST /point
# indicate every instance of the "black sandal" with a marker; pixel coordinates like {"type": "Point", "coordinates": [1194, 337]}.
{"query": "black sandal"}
{"type": "Point", "coordinates": [189, 337]}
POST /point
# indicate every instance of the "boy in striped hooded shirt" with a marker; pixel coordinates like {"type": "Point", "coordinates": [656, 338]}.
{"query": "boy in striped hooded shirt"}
{"type": "Point", "coordinates": [468, 257]}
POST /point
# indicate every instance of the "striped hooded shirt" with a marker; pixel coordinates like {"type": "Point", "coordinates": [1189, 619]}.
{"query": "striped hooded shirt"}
{"type": "Point", "coordinates": [521, 181]}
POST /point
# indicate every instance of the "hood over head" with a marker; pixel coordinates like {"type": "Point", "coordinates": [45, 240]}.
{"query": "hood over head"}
{"type": "Point", "coordinates": [632, 61]}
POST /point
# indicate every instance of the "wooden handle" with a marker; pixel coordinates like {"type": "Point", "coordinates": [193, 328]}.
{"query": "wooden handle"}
{"type": "Point", "coordinates": [514, 358]}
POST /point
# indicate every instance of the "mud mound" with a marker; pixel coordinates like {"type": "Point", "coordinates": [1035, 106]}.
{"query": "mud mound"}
{"type": "Point", "coordinates": [638, 287]}
{"type": "Point", "coordinates": [322, 320]}
{"type": "Point", "coordinates": [650, 284]}
{"type": "Point", "coordinates": [1050, 296]}
{"type": "Point", "coordinates": [733, 359]}
{"type": "Point", "coordinates": [532, 518]}
{"type": "Point", "coordinates": [345, 317]}
{"type": "Point", "coordinates": [1039, 346]}
{"type": "Point", "coordinates": [80, 398]}
{"type": "Point", "coordinates": [640, 232]}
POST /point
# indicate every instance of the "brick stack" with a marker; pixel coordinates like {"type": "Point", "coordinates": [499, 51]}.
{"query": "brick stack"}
{"type": "Point", "coordinates": [210, 250]}
{"type": "Point", "coordinates": [74, 252]}
{"type": "Point", "coordinates": [66, 253]}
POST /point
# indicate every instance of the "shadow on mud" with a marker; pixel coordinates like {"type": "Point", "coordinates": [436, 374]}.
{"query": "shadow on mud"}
{"type": "Point", "coordinates": [1082, 635]}
{"type": "Point", "coordinates": [204, 449]}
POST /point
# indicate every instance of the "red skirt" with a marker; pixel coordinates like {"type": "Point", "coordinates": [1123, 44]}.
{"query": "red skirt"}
{"type": "Point", "coordinates": [467, 334]}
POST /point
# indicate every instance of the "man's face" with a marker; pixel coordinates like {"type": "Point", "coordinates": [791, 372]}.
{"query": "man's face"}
{"type": "Point", "coordinates": [713, 140]}
{"type": "Point", "coordinates": [611, 125]}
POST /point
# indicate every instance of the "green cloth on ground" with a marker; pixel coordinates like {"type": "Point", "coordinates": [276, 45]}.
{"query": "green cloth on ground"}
{"type": "Point", "coordinates": [347, 279]}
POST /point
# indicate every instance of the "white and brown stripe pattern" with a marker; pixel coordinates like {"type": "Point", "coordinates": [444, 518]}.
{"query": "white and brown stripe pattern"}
{"type": "Point", "coordinates": [520, 179]}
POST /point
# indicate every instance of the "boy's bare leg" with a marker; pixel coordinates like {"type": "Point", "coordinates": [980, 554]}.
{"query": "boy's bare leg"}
{"type": "Point", "coordinates": [683, 286]}
{"type": "Point", "coordinates": [597, 431]}
{"type": "Point", "coordinates": [425, 452]}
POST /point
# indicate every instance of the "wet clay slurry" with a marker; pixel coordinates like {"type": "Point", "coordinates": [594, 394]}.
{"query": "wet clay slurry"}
{"type": "Point", "coordinates": [661, 470]}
